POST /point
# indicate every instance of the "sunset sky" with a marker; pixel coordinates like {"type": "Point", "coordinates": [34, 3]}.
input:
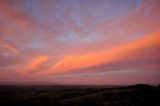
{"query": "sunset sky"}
{"type": "Point", "coordinates": [98, 42]}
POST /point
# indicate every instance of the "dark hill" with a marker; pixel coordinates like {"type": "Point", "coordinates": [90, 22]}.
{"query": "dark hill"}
{"type": "Point", "coordinates": [136, 95]}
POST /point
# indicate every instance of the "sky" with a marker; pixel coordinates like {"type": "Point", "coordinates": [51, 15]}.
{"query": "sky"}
{"type": "Point", "coordinates": [80, 42]}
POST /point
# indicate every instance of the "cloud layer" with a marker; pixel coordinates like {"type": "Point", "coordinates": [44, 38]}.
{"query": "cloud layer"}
{"type": "Point", "coordinates": [80, 41]}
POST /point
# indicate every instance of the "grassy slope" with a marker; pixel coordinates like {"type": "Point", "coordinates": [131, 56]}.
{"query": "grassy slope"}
{"type": "Point", "coordinates": [139, 95]}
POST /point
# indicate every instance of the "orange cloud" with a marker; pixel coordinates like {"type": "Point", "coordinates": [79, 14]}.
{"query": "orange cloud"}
{"type": "Point", "coordinates": [9, 47]}
{"type": "Point", "coordinates": [18, 16]}
{"type": "Point", "coordinates": [93, 59]}
{"type": "Point", "coordinates": [36, 63]}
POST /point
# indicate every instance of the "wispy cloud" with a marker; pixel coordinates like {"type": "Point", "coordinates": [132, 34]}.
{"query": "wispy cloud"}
{"type": "Point", "coordinates": [82, 36]}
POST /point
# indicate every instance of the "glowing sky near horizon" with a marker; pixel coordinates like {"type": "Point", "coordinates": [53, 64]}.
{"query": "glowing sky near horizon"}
{"type": "Point", "coordinates": [79, 41]}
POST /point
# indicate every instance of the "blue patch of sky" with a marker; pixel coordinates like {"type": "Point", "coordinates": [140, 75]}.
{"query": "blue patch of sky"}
{"type": "Point", "coordinates": [99, 12]}
{"type": "Point", "coordinates": [105, 9]}
{"type": "Point", "coordinates": [73, 38]}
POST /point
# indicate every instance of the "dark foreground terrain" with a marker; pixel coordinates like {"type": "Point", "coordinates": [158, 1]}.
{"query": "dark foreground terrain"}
{"type": "Point", "coordinates": [137, 95]}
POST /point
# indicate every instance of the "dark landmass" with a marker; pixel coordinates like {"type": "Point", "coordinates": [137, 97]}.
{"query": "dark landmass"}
{"type": "Point", "coordinates": [136, 95]}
